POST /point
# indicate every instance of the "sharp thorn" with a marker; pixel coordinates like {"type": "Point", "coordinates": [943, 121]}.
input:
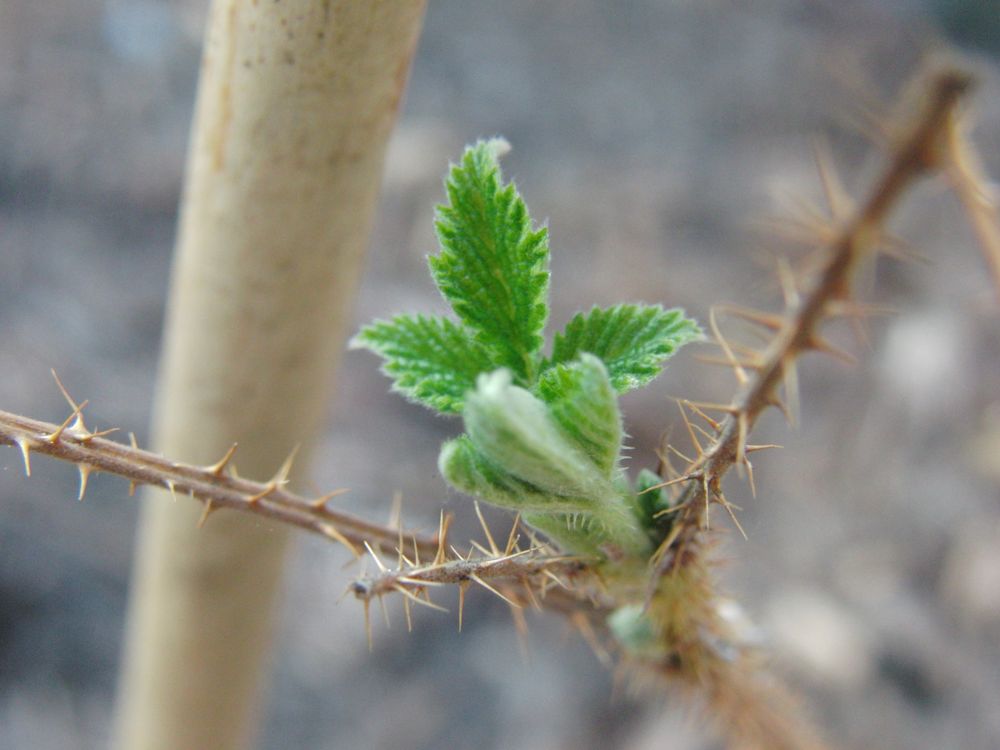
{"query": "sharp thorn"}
{"type": "Point", "coordinates": [513, 536]}
{"type": "Point", "coordinates": [54, 437]}
{"type": "Point", "coordinates": [725, 408]}
{"type": "Point", "coordinates": [375, 557]}
{"type": "Point", "coordinates": [77, 408]}
{"type": "Point", "coordinates": [753, 484]}
{"type": "Point", "coordinates": [462, 588]}
{"type": "Point", "coordinates": [729, 509]}
{"type": "Point", "coordinates": [205, 513]}
{"type": "Point", "coordinates": [555, 578]}
{"type": "Point", "coordinates": [482, 522]}
{"type": "Point", "coordinates": [529, 592]}
{"type": "Point", "coordinates": [334, 533]}
{"type": "Point", "coordinates": [822, 345]}
{"type": "Point", "coordinates": [481, 582]}
{"type": "Point", "coordinates": [407, 614]}
{"type": "Point", "coordinates": [280, 478]}
{"type": "Point", "coordinates": [675, 480]}
{"type": "Point", "coordinates": [417, 600]}
{"type": "Point", "coordinates": [219, 466]}
{"type": "Point", "coordinates": [770, 321]}
{"type": "Point", "coordinates": [441, 555]}
{"type": "Point", "coordinates": [480, 548]}
{"type": "Point", "coordinates": [416, 550]}
{"type": "Point", "coordinates": [84, 471]}
{"type": "Point", "coordinates": [320, 502]}
{"type": "Point", "coordinates": [763, 447]}
{"type": "Point", "coordinates": [268, 489]}
{"type": "Point", "coordinates": [741, 375]}
{"type": "Point", "coordinates": [24, 445]}
{"type": "Point", "coordinates": [579, 619]}
{"type": "Point", "coordinates": [680, 455]}
{"type": "Point", "coordinates": [690, 430]}
{"type": "Point", "coordinates": [98, 434]}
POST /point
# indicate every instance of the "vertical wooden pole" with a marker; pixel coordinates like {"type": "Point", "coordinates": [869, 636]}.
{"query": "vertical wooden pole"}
{"type": "Point", "coordinates": [296, 102]}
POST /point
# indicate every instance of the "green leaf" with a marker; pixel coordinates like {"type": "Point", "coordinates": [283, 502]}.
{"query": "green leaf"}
{"type": "Point", "coordinates": [467, 470]}
{"type": "Point", "coordinates": [581, 400]}
{"type": "Point", "coordinates": [493, 267]}
{"type": "Point", "coordinates": [431, 360]}
{"type": "Point", "coordinates": [651, 504]}
{"type": "Point", "coordinates": [513, 429]}
{"type": "Point", "coordinates": [632, 340]}
{"type": "Point", "coordinates": [574, 532]}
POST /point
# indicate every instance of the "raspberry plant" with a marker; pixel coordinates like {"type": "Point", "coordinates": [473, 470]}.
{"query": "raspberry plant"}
{"type": "Point", "coordinates": [543, 434]}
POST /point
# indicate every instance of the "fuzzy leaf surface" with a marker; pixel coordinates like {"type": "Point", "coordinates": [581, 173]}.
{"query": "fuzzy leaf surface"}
{"type": "Point", "coordinates": [431, 360]}
{"type": "Point", "coordinates": [584, 404]}
{"type": "Point", "coordinates": [513, 430]}
{"type": "Point", "coordinates": [633, 341]}
{"type": "Point", "coordinates": [493, 266]}
{"type": "Point", "coordinates": [466, 469]}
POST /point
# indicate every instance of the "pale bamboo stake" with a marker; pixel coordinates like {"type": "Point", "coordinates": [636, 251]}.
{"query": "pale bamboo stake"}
{"type": "Point", "coordinates": [295, 105]}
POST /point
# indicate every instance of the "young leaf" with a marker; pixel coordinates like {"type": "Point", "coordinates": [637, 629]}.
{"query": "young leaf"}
{"type": "Point", "coordinates": [467, 470]}
{"type": "Point", "coordinates": [512, 429]}
{"type": "Point", "coordinates": [573, 532]}
{"type": "Point", "coordinates": [581, 400]}
{"type": "Point", "coordinates": [632, 340]}
{"type": "Point", "coordinates": [431, 360]}
{"type": "Point", "coordinates": [651, 505]}
{"type": "Point", "coordinates": [493, 267]}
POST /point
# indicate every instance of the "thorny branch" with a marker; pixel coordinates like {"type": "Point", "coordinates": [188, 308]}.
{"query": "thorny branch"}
{"type": "Point", "coordinates": [929, 140]}
{"type": "Point", "coordinates": [217, 486]}
{"type": "Point", "coordinates": [920, 149]}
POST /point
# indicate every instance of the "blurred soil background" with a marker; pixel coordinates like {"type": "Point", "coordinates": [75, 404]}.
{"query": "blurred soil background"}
{"type": "Point", "coordinates": [651, 136]}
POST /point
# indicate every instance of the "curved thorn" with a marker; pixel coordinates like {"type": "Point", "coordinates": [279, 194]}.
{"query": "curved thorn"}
{"type": "Point", "coordinates": [205, 513]}
{"type": "Point", "coordinates": [219, 466]}
{"type": "Point", "coordinates": [24, 445]}
{"type": "Point", "coordinates": [85, 472]}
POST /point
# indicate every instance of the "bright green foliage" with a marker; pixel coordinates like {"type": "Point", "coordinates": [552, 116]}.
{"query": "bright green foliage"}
{"type": "Point", "coordinates": [543, 436]}
{"type": "Point", "coordinates": [653, 505]}
{"type": "Point", "coordinates": [514, 429]}
{"type": "Point", "coordinates": [467, 469]}
{"type": "Point", "coordinates": [633, 340]}
{"type": "Point", "coordinates": [581, 400]}
{"type": "Point", "coordinates": [493, 267]}
{"type": "Point", "coordinates": [431, 360]}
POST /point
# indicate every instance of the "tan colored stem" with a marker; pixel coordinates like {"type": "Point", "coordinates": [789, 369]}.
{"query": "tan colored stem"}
{"type": "Point", "coordinates": [295, 105]}
{"type": "Point", "coordinates": [213, 485]}
{"type": "Point", "coordinates": [917, 152]}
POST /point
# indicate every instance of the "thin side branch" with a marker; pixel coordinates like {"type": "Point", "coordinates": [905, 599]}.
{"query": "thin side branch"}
{"type": "Point", "coordinates": [916, 152]}
{"type": "Point", "coordinates": [213, 485]}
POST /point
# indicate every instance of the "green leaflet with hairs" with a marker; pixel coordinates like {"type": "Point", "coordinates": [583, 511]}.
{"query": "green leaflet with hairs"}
{"type": "Point", "coordinates": [542, 435]}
